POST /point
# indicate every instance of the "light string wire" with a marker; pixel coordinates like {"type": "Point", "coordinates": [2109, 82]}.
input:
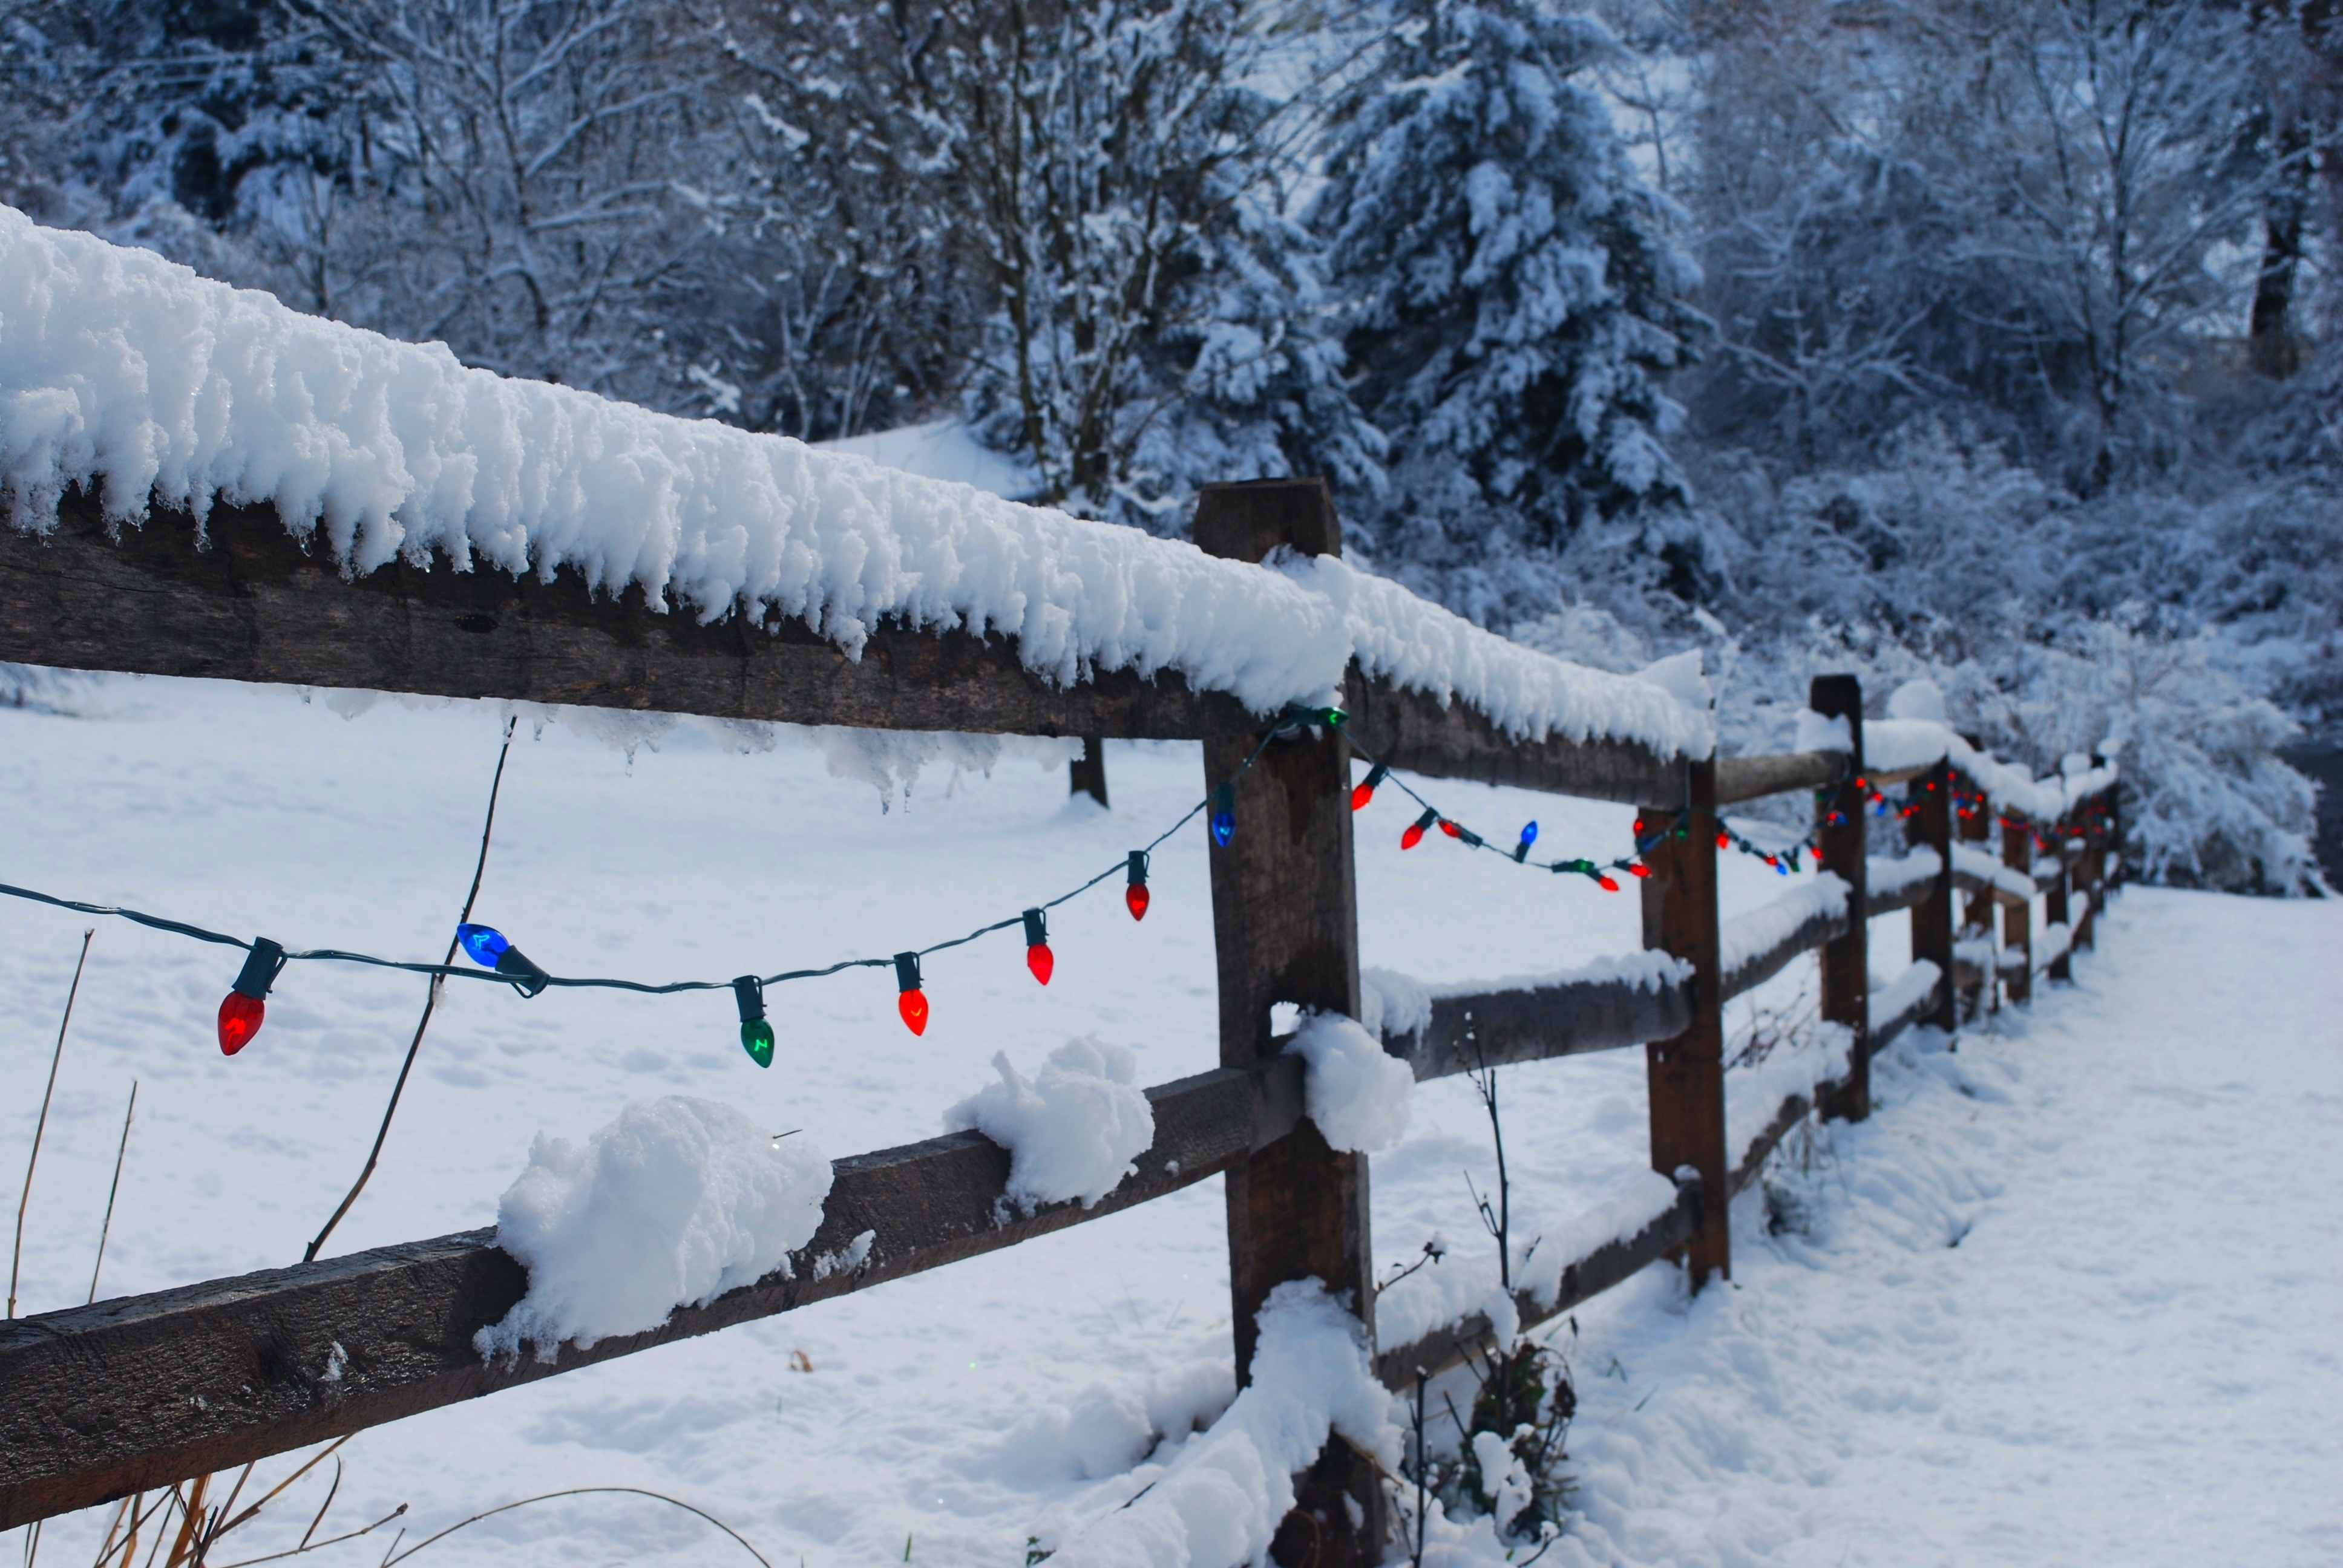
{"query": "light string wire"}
{"type": "Point", "coordinates": [1295, 718]}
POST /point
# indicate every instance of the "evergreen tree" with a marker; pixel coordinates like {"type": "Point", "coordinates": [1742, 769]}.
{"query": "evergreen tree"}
{"type": "Point", "coordinates": [1159, 323]}
{"type": "Point", "coordinates": [1514, 296]}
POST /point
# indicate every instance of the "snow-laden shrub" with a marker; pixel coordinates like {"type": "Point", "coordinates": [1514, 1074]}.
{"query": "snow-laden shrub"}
{"type": "Point", "coordinates": [2206, 801]}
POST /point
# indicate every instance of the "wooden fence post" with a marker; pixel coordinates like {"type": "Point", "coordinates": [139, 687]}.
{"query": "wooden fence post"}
{"type": "Point", "coordinates": [1687, 1075]}
{"type": "Point", "coordinates": [1932, 921]}
{"type": "Point", "coordinates": [1285, 929]}
{"type": "Point", "coordinates": [1840, 825]}
{"type": "Point", "coordinates": [1978, 912]}
{"type": "Point", "coordinates": [1087, 773]}
{"type": "Point", "coordinates": [2094, 868]}
{"type": "Point", "coordinates": [2018, 920]}
{"type": "Point", "coordinates": [2054, 905]}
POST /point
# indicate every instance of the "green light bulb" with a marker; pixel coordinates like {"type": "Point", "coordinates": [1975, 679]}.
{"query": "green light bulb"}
{"type": "Point", "coordinates": [757, 1040]}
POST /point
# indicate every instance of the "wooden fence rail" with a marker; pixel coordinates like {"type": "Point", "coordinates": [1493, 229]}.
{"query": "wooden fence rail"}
{"type": "Point", "coordinates": [143, 1391]}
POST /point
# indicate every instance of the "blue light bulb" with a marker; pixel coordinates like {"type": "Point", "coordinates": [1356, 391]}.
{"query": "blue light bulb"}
{"type": "Point", "coordinates": [1224, 814]}
{"type": "Point", "coordinates": [1529, 833]}
{"type": "Point", "coordinates": [483, 944]}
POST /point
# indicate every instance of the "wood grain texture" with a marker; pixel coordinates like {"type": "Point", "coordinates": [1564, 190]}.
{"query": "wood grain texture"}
{"type": "Point", "coordinates": [141, 1391]}
{"type": "Point", "coordinates": [1505, 1027]}
{"type": "Point", "coordinates": [1841, 827]}
{"type": "Point", "coordinates": [1613, 1264]}
{"type": "Point", "coordinates": [1410, 730]}
{"type": "Point", "coordinates": [1753, 778]}
{"type": "Point", "coordinates": [1686, 1075]}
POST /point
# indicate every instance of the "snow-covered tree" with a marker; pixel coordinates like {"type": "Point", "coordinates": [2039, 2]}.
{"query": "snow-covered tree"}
{"type": "Point", "coordinates": [1157, 323]}
{"type": "Point", "coordinates": [1514, 294]}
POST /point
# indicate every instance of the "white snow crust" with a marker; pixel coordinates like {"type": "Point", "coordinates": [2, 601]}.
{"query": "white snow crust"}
{"type": "Point", "coordinates": [1889, 998]}
{"type": "Point", "coordinates": [128, 372]}
{"type": "Point", "coordinates": [1885, 877]}
{"type": "Point", "coordinates": [1970, 861]}
{"type": "Point", "coordinates": [1750, 936]}
{"type": "Point", "coordinates": [672, 1204]}
{"type": "Point", "coordinates": [1358, 1094]}
{"type": "Point", "coordinates": [1397, 1006]}
{"type": "Point", "coordinates": [1071, 1131]}
{"type": "Point", "coordinates": [1221, 1499]}
{"type": "Point", "coordinates": [1392, 1005]}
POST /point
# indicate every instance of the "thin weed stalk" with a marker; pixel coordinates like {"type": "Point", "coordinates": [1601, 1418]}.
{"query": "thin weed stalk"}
{"type": "Point", "coordinates": [114, 1192]}
{"type": "Point", "coordinates": [16, 1258]}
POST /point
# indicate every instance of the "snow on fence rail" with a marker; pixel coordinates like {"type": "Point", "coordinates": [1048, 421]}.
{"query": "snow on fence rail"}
{"type": "Point", "coordinates": [296, 479]}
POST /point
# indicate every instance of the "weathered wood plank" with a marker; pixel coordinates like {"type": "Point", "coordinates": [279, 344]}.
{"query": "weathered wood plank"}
{"type": "Point", "coordinates": [1410, 730]}
{"type": "Point", "coordinates": [1933, 927]}
{"type": "Point", "coordinates": [1537, 1022]}
{"type": "Point", "coordinates": [2017, 914]}
{"type": "Point", "coordinates": [253, 606]}
{"type": "Point", "coordinates": [1612, 1264]}
{"type": "Point", "coordinates": [1686, 1075]}
{"type": "Point", "coordinates": [141, 1391]}
{"type": "Point", "coordinates": [1752, 777]}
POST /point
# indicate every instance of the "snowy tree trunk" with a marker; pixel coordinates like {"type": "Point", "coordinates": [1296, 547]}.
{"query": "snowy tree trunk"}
{"type": "Point", "coordinates": [1686, 1074]}
{"type": "Point", "coordinates": [1932, 922]}
{"type": "Point", "coordinates": [1285, 928]}
{"type": "Point", "coordinates": [1846, 960]}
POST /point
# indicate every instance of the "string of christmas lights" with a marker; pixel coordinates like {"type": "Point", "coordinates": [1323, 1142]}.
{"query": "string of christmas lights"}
{"type": "Point", "coordinates": [245, 1008]}
{"type": "Point", "coordinates": [496, 958]}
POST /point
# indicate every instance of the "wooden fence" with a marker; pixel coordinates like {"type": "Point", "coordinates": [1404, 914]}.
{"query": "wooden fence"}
{"type": "Point", "coordinates": [142, 1393]}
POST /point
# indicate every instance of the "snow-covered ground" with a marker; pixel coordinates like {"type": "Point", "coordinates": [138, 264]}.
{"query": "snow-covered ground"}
{"type": "Point", "coordinates": [2128, 1355]}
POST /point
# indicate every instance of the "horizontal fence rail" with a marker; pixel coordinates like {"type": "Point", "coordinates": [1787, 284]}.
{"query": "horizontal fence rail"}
{"type": "Point", "coordinates": [131, 1394]}
{"type": "Point", "coordinates": [251, 604]}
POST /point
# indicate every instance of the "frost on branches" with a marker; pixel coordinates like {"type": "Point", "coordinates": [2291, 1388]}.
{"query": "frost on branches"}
{"type": "Point", "coordinates": [1514, 296]}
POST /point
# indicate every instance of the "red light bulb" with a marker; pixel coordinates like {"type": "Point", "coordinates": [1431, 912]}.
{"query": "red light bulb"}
{"type": "Point", "coordinates": [1609, 885]}
{"type": "Point", "coordinates": [913, 1006]}
{"type": "Point", "coordinates": [1415, 834]}
{"type": "Point", "coordinates": [1135, 899]}
{"type": "Point", "coordinates": [1359, 795]}
{"type": "Point", "coordinates": [1639, 870]}
{"type": "Point", "coordinates": [239, 1020]}
{"type": "Point", "coordinates": [1725, 840]}
{"type": "Point", "coordinates": [1038, 960]}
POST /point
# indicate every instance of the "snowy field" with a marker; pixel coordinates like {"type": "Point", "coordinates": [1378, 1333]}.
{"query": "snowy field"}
{"type": "Point", "coordinates": [2068, 1297]}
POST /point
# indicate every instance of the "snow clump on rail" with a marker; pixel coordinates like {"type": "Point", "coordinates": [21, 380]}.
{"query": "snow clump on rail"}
{"type": "Point", "coordinates": [1358, 1094]}
{"type": "Point", "coordinates": [1072, 1129]}
{"type": "Point", "coordinates": [129, 374]}
{"type": "Point", "coordinates": [672, 1204]}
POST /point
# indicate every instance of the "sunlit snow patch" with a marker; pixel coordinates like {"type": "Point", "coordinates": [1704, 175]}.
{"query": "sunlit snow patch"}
{"type": "Point", "coordinates": [672, 1204]}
